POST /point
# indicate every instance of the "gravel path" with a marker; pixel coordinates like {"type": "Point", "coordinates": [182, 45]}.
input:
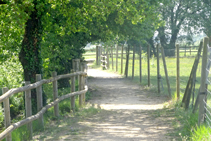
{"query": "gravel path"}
{"type": "Point", "coordinates": [128, 113]}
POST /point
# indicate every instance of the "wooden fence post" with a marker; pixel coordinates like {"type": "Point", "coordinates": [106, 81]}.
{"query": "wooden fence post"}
{"type": "Point", "coordinates": [83, 83]}
{"type": "Point", "coordinates": [190, 49]}
{"type": "Point", "coordinates": [178, 73]}
{"type": "Point", "coordinates": [39, 101]}
{"type": "Point", "coordinates": [166, 72]}
{"type": "Point", "coordinates": [185, 50]}
{"type": "Point", "coordinates": [158, 69]}
{"type": "Point", "coordinates": [73, 90]}
{"type": "Point", "coordinates": [97, 54]}
{"type": "Point", "coordinates": [122, 58]}
{"type": "Point", "coordinates": [55, 94]}
{"type": "Point", "coordinates": [148, 64]}
{"type": "Point", "coordinates": [133, 62]}
{"type": "Point", "coordinates": [28, 108]}
{"type": "Point", "coordinates": [7, 117]}
{"type": "Point", "coordinates": [116, 57]}
{"type": "Point", "coordinates": [191, 81]}
{"type": "Point", "coordinates": [77, 61]}
{"type": "Point", "coordinates": [140, 64]}
{"type": "Point", "coordinates": [127, 60]}
{"type": "Point", "coordinates": [203, 82]}
{"type": "Point", "coordinates": [80, 88]}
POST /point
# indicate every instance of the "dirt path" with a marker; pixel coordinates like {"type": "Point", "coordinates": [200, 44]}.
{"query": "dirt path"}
{"type": "Point", "coordinates": [128, 113]}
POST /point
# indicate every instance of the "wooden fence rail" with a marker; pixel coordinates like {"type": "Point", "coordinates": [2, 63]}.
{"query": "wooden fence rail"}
{"type": "Point", "coordinates": [38, 86]}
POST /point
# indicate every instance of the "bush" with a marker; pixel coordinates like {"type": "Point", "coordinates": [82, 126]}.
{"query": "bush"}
{"type": "Point", "coordinates": [11, 77]}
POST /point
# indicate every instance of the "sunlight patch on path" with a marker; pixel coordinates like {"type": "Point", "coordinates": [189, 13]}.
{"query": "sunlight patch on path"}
{"type": "Point", "coordinates": [102, 74]}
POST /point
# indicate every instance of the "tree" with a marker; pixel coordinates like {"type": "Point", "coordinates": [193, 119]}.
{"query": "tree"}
{"type": "Point", "coordinates": [23, 23]}
{"type": "Point", "coordinates": [178, 15]}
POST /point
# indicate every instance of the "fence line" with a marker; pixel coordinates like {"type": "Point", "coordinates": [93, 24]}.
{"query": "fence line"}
{"type": "Point", "coordinates": [38, 85]}
{"type": "Point", "coordinates": [182, 85]}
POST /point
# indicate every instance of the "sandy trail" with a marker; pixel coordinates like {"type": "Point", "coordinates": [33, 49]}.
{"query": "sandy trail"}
{"type": "Point", "coordinates": [128, 113]}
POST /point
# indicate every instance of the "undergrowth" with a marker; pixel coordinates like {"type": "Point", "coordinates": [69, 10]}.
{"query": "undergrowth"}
{"type": "Point", "coordinates": [185, 123]}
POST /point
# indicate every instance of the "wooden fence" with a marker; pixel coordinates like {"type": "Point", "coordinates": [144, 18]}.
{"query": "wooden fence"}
{"type": "Point", "coordinates": [122, 52]}
{"type": "Point", "coordinates": [195, 51]}
{"type": "Point", "coordinates": [41, 110]}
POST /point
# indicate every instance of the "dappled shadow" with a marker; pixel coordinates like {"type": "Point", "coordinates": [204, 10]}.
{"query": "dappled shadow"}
{"type": "Point", "coordinates": [128, 113]}
{"type": "Point", "coordinates": [118, 125]}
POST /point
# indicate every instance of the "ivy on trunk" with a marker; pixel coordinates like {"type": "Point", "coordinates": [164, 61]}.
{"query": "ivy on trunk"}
{"type": "Point", "coordinates": [30, 54]}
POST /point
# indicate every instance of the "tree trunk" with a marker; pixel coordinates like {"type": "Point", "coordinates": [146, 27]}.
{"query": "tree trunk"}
{"type": "Point", "coordinates": [30, 55]}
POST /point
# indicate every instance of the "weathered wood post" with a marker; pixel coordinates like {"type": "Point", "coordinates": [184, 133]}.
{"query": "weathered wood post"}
{"type": "Point", "coordinates": [148, 64]}
{"type": "Point", "coordinates": [203, 82]}
{"type": "Point", "coordinates": [166, 72]}
{"type": "Point", "coordinates": [140, 64]}
{"type": "Point", "coordinates": [158, 69]}
{"type": "Point", "coordinates": [39, 101]}
{"type": "Point", "coordinates": [116, 57]}
{"type": "Point", "coordinates": [178, 73]}
{"type": "Point", "coordinates": [55, 94]}
{"type": "Point", "coordinates": [122, 58]}
{"type": "Point", "coordinates": [28, 108]}
{"type": "Point", "coordinates": [7, 117]}
{"type": "Point", "coordinates": [133, 62]}
{"type": "Point", "coordinates": [197, 98]}
{"type": "Point", "coordinates": [80, 88]}
{"type": "Point", "coordinates": [73, 90]}
{"type": "Point", "coordinates": [97, 54]}
{"type": "Point", "coordinates": [127, 60]}
{"type": "Point", "coordinates": [77, 64]}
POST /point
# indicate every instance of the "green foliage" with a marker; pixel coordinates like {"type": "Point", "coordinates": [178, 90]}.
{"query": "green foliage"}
{"type": "Point", "coordinates": [88, 95]}
{"type": "Point", "coordinates": [20, 134]}
{"type": "Point", "coordinates": [202, 133]}
{"type": "Point", "coordinates": [11, 73]}
{"type": "Point", "coordinates": [11, 77]}
{"type": "Point", "coordinates": [187, 121]}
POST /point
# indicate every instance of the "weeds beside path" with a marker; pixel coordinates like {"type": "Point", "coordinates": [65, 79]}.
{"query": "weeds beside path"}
{"type": "Point", "coordinates": [128, 113]}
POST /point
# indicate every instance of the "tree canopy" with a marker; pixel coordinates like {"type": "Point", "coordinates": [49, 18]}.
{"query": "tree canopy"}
{"type": "Point", "coordinates": [46, 34]}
